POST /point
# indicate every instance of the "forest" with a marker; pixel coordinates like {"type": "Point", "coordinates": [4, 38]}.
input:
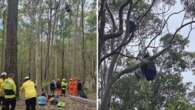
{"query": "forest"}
{"type": "Point", "coordinates": [49, 39]}
{"type": "Point", "coordinates": [143, 54]}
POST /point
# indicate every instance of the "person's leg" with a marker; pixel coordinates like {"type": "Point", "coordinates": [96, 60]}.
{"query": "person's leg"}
{"type": "Point", "coordinates": [27, 102]}
{"type": "Point", "coordinates": [62, 92]}
{"type": "Point", "coordinates": [33, 103]}
{"type": "Point", "coordinates": [6, 105]}
{"type": "Point", "coordinates": [13, 103]}
{"type": "Point", "coordinates": [1, 101]}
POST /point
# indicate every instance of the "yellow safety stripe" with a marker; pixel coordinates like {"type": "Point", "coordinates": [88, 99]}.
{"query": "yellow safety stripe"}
{"type": "Point", "coordinates": [9, 96]}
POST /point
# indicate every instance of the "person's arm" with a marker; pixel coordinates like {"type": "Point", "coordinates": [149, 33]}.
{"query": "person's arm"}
{"type": "Point", "coordinates": [35, 85]}
{"type": "Point", "coordinates": [14, 87]}
{"type": "Point", "coordinates": [22, 89]}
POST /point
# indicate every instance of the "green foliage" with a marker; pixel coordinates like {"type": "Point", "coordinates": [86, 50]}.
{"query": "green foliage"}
{"type": "Point", "coordinates": [176, 55]}
{"type": "Point", "coordinates": [129, 92]}
{"type": "Point", "coordinates": [91, 20]}
{"type": "Point", "coordinates": [181, 104]}
{"type": "Point", "coordinates": [166, 90]}
{"type": "Point", "coordinates": [189, 6]}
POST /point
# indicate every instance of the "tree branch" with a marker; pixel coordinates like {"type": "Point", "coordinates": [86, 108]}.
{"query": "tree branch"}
{"type": "Point", "coordinates": [115, 51]}
{"type": "Point", "coordinates": [141, 17]}
{"type": "Point", "coordinates": [162, 28]}
{"type": "Point", "coordinates": [120, 31]}
{"type": "Point", "coordinates": [148, 60]}
{"type": "Point", "coordinates": [111, 17]}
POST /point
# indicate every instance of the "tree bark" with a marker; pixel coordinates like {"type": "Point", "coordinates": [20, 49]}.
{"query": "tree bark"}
{"type": "Point", "coordinates": [83, 42]}
{"type": "Point", "coordinates": [63, 51]}
{"type": "Point", "coordinates": [48, 45]}
{"type": "Point", "coordinates": [11, 40]}
{"type": "Point", "coordinates": [3, 41]}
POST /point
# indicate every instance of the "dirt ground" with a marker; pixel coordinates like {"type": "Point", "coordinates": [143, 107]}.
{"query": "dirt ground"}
{"type": "Point", "coordinates": [69, 105]}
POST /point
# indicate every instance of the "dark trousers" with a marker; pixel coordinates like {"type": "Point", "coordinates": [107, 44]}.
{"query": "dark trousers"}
{"type": "Point", "coordinates": [52, 91]}
{"type": "Point", "coordinates": [2, 103]}
{"type": "Point", "coordinates": [64, 92]}
{"type": "Point", "coordinates": [31, 104]}
{"type": "Point", "coordinates": [10, 104]}
{"type": "Point", "coordinates": [1, 100]}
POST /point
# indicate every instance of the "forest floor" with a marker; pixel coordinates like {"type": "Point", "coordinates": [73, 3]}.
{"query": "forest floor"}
{"type": "Point", "coordinates": [69, 105]}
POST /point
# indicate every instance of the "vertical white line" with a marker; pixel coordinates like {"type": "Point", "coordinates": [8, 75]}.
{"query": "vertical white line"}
{"type": "Point", "coordinates": [97, 41]}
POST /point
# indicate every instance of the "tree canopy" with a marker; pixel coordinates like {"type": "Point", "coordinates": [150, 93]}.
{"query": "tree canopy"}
{"type": "Point", "coordinates": [123, 45]}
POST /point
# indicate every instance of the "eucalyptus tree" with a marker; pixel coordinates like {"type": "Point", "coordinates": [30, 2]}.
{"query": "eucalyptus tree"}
{"type": "Point", "coordinates": [127, 30]}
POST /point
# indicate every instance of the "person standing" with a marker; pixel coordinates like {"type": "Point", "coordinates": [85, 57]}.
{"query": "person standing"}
{"type": "Point", "coordinates": [64, 86]}
{"type": "Point", "coordinates": [58, 88]}
{"type": "Point", "coordinates": [80, 89]}
{"type": "Point", "coordinates": [2, 78]}
{"type": "Point", "coordinates": [9, 87]}
{"type": "Point", "coordinates": [52, 87]}
{"type": "Point", "coordinates": [29, 91]}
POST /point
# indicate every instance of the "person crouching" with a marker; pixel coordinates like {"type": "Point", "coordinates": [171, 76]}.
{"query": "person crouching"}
{"type": "Point", "coordinates": [42, 101]}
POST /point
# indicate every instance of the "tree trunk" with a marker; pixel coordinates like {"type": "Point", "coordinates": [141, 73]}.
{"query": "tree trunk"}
{"type": "Point", "coordinates": [48, 45]}
{"type": "Point", "coordinates": [3, 40]}
{"type": "Point", "coordinates": [63, 46]}
{"type": "Point", "coordinates": [11, 40]}
{"type": "Point", "coordinates": [30, 56]}
{"type": "Point", "coordinates": [41, 61]}
{"type": "Point", "coordinates": [83, 43]}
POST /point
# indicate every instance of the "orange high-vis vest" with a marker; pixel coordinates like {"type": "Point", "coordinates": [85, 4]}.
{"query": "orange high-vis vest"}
{"type": "Point", "coordinates": [72, 88]}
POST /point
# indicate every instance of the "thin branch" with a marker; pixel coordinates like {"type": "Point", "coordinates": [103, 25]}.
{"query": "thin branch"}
{"type": "Point", "coordinates": [116, 50]}
{"type": "Point", "coordinates": [120, 31]}
{"type": "Point", "coordinates": [191, 28]}
{"type": "Point", "coordinates": [162, 28]}
{"type": "Point", "coordinates": [141, 17]}
{"type": "Point", "coordinates": [111, 17]}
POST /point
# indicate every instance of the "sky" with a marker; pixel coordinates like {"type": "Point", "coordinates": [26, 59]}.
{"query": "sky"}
{"type": "Point", "coordinates": [174, 23]}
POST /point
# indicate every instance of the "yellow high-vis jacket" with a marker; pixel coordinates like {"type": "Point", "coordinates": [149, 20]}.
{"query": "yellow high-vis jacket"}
{"type": "Point", "coordinates": [28, 89]}
{"type": "Point", "coordinates": [1, 87]}
{"type": "Point", "coordinates": [9, 87]}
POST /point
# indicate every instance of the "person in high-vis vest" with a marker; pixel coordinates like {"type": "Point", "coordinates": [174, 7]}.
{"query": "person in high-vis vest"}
{"type": "Point", "coordinates": [9, 87]}
{"type": "Point", "coordinates": [28, 89]}
{"type": "Point", "coordinates": [64, 86]}
{"type": "Point", "coordinates": [2, 78]}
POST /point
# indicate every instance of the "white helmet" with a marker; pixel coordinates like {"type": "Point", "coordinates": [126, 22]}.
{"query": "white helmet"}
{"type": "Point", "coordinates": [26, 78]}
{"type": "Point", "coordinates": [3, 74]}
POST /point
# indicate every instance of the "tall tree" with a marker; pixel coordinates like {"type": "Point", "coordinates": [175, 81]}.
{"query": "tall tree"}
{"type": "Point", "coordinates": [83, 40]}
{"type": "Point", "coordinates": [127, 30]}
{"type": "Point", "coordinates": [11, 39]}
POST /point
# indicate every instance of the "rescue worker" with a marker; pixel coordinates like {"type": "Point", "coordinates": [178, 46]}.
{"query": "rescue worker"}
{"type": "Point", "coordinates": [52, 87]}
{"type": "Point", "coordinates": [42, 101]}
{"type": "Point", "coordinates": [81, 92]}
{"type": "Point", "coordinates": [2, 78]}
{"type": "Point", "coordinates": [28, 89]}
{"type": "Point", "coordinates": [9, 87]}
{"type": "Point", "coordinates": [58, 87]}
{"type": "Point", "coordinates": [64, 86]}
